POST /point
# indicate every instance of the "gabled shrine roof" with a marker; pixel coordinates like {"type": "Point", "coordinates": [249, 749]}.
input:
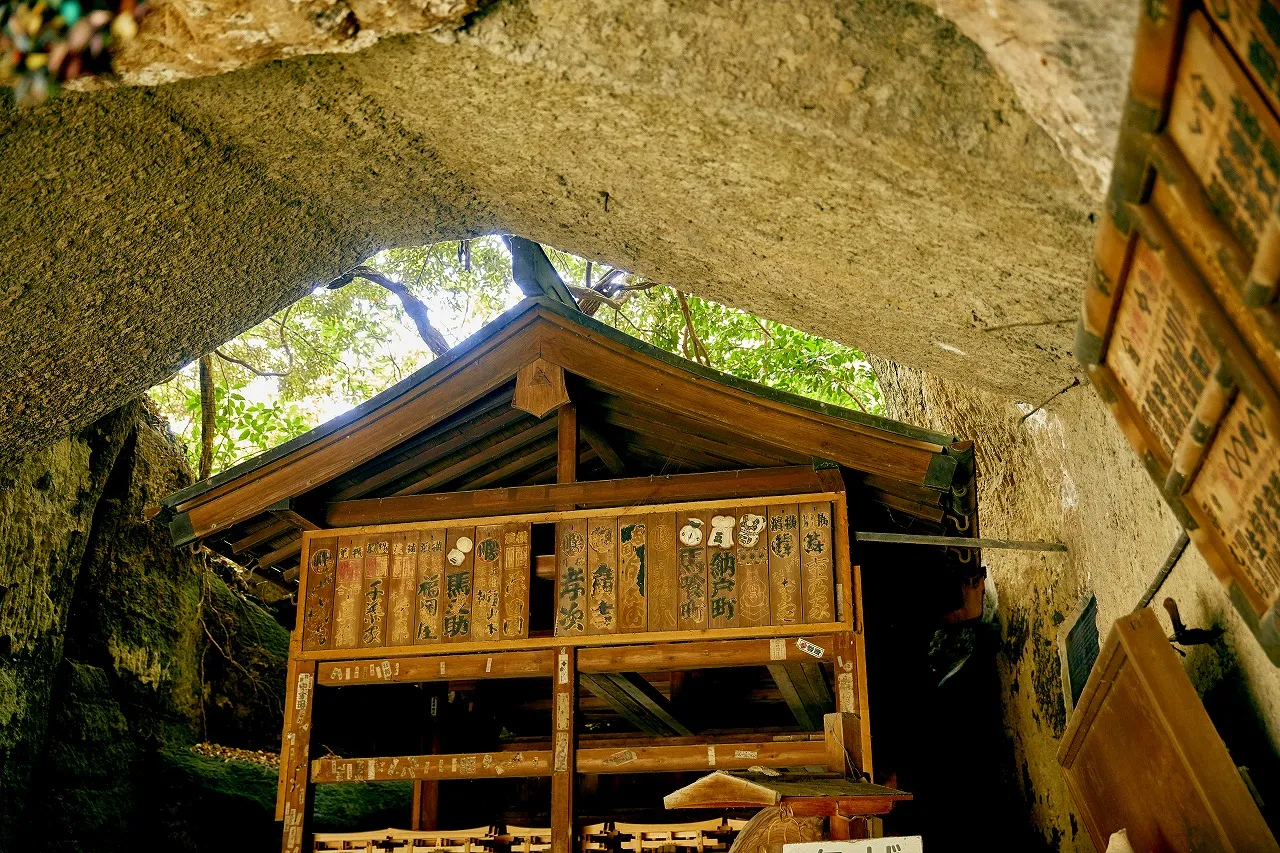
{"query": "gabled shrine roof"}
{"type": "Point", "coordinates": [450, 427]}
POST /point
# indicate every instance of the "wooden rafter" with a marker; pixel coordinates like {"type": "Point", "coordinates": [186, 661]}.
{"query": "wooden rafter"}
{"type": "Point", "coordinates": [476, 457]}
{"type": "Point", "coordinates": [637, 701]}
{"type": "Point", "coordinates": [805, 691]}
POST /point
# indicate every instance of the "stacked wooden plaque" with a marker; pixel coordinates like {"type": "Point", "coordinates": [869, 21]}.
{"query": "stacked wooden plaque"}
{"type": "Point", "coordinates": [721, 567]}
{"type": "Point", "coordinates": [1181, 327]}
{"type": "Point", "coordinates": [414, 587]}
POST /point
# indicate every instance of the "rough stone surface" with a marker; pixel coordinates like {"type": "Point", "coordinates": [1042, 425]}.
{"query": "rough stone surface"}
{"type": "Point", "coordinates": [193, 38]}
{"type": "Point", "coordinates": [860, 170]}
{"type": "Point", "coordinates": [118, 652]}
{"type": "Point", "coordinates": [1067, 475]}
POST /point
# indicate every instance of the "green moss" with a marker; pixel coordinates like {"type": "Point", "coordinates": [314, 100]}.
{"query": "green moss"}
{"type": "Point", "coordinates": [362, 805]}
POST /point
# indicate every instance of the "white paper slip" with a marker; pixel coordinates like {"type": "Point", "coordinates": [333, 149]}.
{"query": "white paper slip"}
{"type": "Point", "coordinates": [897, 844]}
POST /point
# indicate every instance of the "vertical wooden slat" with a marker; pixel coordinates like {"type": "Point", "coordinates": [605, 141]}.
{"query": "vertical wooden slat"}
{"type": "Point", "coordinates": [662, 581]}
{"type": "Point", "coordinates": [602, 575]}
{"type": "Point", "coordinates": [784, 566]}
{"type": "Point", "coordinates": [752, 558]}
{"type": "Point", "coordinates": [401, 600]}
{"type": "Point", "coordinates": [346, 600]}
{"type": "Point", "coordinates": [320, 560]}
{"type": "Point", "coordinates": [848, 599]}
{"type": "Point", "coordinates": [564, 747]}
{"type": "Point", "coordinates": [722, 570]}
{"type": "Point", "coordinates": [298, 788]}
{"type": "Point", "coordinates": [459, 549]}
{"type": "Point", "coordinates": [816, 564]}
{"type": "Point", "coordinates": [516, 565]}
{"type": "Point", "coordinates": [486, 620]}
{"type": "Point", "coordinates": [633, 556]}
{"type": "Point", "coordinates": [373, 602]}
{"type": "Point", "coordinates": [571, 578]}
{"type": "Point", "coordinates": [692, 564]}
{"type": "Point", "coordinates": [429, 593]}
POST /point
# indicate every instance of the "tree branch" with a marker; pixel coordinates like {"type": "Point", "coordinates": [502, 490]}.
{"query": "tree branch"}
{"type": "Point", "coordinates": [207, 419]}
{"type": "Point", "coordinates": [413, 306]}
{"type": "Point", "coordinates": [246, 365]}
{"type": "Point", "coordinates": [699, 351]}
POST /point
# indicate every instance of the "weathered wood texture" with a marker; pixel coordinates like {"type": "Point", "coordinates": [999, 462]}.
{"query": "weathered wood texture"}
{"type": "Point", "coordinates": [738, 567]}
{"type": "Point", "coordinates": [541, 762]}
{"type": "Point", "coordinates": [1181, 329]}
{"type": "Point", "coordinates": [1141, 754]}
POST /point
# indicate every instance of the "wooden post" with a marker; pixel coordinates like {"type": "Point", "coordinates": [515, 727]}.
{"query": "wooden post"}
{"type": "Point", "coordinates": [565, 695]}
{"type": "Point", "coordinates": [567, 443]}
{"type": "Point", "coordinates": [426, 793]}
{"type": "Point", "coordinates": [298, 789]}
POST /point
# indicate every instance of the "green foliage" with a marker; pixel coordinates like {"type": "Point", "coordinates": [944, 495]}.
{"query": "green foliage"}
{"type": "Point", "coordinates": [336, 348]}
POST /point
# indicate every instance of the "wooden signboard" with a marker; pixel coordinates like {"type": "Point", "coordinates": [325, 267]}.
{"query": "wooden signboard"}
{"type": "Point", "coordinates": [377, 576]}
{"type": "Point", "coordinates": [752, 567]}
{"type": "Point", "coordinates": [486, 619]}
{"type": "Point", "coordinates": [691, 569]}
{"type": "Point", "coordinates": [783, 531]}
{"type": "Point", "coordinates": [571, 578]}
{"type": "Point", "coordinates": [632, 572]}
{"type": "Point", "coordinates": [661, 597]}
{"type": "Point", "coordinates": [1141, 753]}
{"type": "Point", "coordinates": [459, 561]}
{"type": "Point", "coordinates": [318, 613]}
{"type": "Point", "coordinates": [430, 589]}
{"type": "Point", "coordinates": [602, 576]}
{"type": "Point", "coordinates": [515, 581]}
{"type": "Point", "coordinates": [349, 585]}
{"type": "Point", "coordinates": [1181, 327]}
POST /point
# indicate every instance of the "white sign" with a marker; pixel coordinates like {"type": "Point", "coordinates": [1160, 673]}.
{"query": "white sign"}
{"type": "Point", "coordinates": [897, 844]}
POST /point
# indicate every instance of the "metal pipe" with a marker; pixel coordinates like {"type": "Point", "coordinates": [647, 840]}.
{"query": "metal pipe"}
{"type": "Point", "coordinates": [1175, 555]}
{"type": "Point", "coordinates": [957, 541]}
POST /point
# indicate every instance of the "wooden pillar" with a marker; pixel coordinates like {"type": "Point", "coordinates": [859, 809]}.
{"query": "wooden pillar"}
{"type": "Point", "coordinates": [851, 693]}
{"type": "Point", "coordinates": [564, 748]}
{"type": "Point", "coordinates": [567, 444]}
{"type": "Point", "coordinates": [426, 793]}
{"type": "Point", "coordinates": [295, 764]}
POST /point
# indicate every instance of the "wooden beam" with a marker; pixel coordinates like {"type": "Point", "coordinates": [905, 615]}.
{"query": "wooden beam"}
{"type": "Point", "coordinates": [637, 701]}
{"type": "Point", "coordinates": [473, 459]}
{"type": "Point", "coordinates": [667, 657]}
{"type": "Point", "coordinates": [527, 762]}
{"type": "Point", "coordinates": [654, 431]}
{"type": "Point", "coordinates": [956, 541]}
{"type": "Point", "coordinates": [465, 667]}
{"type": "Point", "coordinates": [536, 455]}
{"type": "Point", "coordinates": [393, 653]}
{"type": "Point", "coordinates": [745, 483]}
{"type": "Point", "coordinates": [266, 533]}
{"type": "Point", "coordinates": [567, 443]}
{"type": "Point", "coordinates": [279, 555]}
{"type": "Point", "coordinates": [564, 759]}
{"type": "Point", "coordinates": [603, 449]}
{"type": "Point", "coordinates": [655, 657]}
{"type": "Point", "coordinates": [285, 511]}
{"type": "Point", "coordinates": [799, 684]}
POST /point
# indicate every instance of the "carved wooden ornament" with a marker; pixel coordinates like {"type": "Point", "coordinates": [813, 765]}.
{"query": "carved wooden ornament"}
{"type": "Point", "coordinates": [540, 388]}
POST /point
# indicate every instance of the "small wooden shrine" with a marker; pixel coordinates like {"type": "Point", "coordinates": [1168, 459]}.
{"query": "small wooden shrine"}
{"type": "Point", "coordinates": [560, 555]}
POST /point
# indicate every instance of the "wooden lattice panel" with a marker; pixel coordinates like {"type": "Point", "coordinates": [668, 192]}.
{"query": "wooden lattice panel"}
{"type": "Point", "coordinates": [1181, 328]}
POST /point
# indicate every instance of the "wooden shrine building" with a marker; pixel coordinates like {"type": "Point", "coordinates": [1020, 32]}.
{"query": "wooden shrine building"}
{"type": "Point", "coordinates": [557, 559]}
